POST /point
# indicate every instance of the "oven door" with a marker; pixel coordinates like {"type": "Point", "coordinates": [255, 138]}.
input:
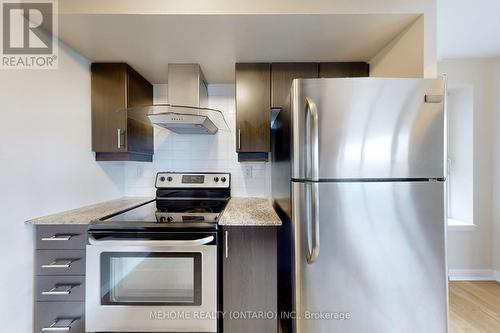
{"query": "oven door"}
{"type": "Point", "coordinates": [141, 283]}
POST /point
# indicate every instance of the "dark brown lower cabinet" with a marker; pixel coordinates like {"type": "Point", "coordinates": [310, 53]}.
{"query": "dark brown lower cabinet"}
{"type": "Point", "coordinates": [59, 297]}
{"type": "Point", "coordinates": [60, 317]}
{"type": "Point", "coordinates": [249, 280]}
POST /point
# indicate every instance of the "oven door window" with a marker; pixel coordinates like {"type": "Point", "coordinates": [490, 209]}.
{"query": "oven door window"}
{"type": "Point", "coordinates": [156, 278]}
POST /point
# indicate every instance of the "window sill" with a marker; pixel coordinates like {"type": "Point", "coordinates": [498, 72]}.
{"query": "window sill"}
{"type": "Point", "coordinates": [458, 225]}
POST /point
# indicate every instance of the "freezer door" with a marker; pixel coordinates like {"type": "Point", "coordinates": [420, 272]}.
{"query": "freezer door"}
{"type": "Point", "coordinates": [381, 264]}
{"type": "Point", "coordinates": [368, 128]}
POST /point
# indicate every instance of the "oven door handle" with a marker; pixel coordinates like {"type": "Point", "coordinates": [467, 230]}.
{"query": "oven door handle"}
{"type": "Point", "coordinates": [193, 242]}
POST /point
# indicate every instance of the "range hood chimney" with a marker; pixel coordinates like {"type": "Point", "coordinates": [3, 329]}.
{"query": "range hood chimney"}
{"type": "Point", "coordinates": [187, 85]}
{"type": "Point", "coordinates": [186, 111]}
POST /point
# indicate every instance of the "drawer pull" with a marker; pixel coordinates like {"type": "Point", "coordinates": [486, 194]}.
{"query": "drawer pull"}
{"type": "Point", "coordinates": [60, 290]}
{"type": "Point", "coordinates": [60, 325]}
{"type": "Point", "coordinates": [60, 263]}
{"type": "Point", "coordinates": [57, 238]}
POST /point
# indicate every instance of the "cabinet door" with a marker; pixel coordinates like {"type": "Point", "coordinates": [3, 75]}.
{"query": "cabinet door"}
{"type": "Point", "coordinates": [139, 134]}
{"type": "Point", "coordinates": [343, 69]}
{"type": "Point", "coordinates": [109, 119]}
{"type": "Point", "coordinates": [253, 107]}
{"type": "Point", "coordinates": [115, 136]}
{"type": "Point", "coordinates": [249, 278]}
{"type": "Point", "coordinates": [282, 75]}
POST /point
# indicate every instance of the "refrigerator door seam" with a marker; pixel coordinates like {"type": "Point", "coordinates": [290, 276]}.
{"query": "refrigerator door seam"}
{"type": "Point", "coordinates": [371, 180]}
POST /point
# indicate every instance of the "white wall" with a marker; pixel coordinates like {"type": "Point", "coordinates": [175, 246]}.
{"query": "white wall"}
{"type": "Point", "coordinates": [473, 249]}
{"type": "Point", "coordinates": [46, 166]}
{"type": "Point", "coordinates": [403, 56]}
{"type": "Point", "coordinates": [496, 173]}
{"type": "Point", "coordinates": [200, 153]}
{"type": "Point", "coordinates": [468, 29]}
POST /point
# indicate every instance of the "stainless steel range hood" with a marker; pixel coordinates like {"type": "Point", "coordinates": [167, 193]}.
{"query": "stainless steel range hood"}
{"type": "Point", "coordinates": [187, 85]}
{"type": "Point", "coordinates": [186, 111]}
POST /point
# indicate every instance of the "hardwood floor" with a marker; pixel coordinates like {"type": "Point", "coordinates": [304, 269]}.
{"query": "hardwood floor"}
{"type": "Point", "coordinates": [474, 307]}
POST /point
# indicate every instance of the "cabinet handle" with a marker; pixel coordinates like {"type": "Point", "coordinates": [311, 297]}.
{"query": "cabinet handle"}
{"type": "Point", "coordinates": [119, 137]}
{"type": "Point", "coordinates": [57, 238]}
{"type": "Point", "coordinates": [60, 325]}
{"type": "Point", "coordinates": [60, 263]}
{"type": "Point", "coordinates": [239, 139]}
{"type": "Point", "coordinates": [226, 240]}
{"type": "Point", "coordinates": [60, 290]}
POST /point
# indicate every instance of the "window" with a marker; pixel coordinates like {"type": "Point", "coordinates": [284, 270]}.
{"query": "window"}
{"type": "Point", "coordinates": [460, 155]}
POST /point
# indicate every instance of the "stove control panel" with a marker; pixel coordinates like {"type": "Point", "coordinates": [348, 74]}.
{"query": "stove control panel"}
{"type": "Point", "coordinates": [192, 180]}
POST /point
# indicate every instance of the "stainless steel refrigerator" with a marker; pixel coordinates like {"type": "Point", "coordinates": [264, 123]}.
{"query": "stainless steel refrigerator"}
{"type": "Point", "coordinates": [368, 205]}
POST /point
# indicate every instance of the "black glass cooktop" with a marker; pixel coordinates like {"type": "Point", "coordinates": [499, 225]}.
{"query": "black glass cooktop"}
{"type": "Point", "coordinates": [144, 213]}
{"type": "Point", "coordinates": [167, 213]}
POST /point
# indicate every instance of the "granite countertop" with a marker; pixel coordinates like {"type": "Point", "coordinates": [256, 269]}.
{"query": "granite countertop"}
{"type": "Point", "coordinates": [249, 212]}
{"type": "Point", "coordinates": [87, 214]}
{"type": "Point", "coordinates": [239, 212]}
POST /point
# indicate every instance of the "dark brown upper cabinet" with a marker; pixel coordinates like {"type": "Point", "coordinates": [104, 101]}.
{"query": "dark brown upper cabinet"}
{"type": "Point", "coordinates": [116, 136]}
{"type": "Point", "coordinates": [253, 107]}
{"type": "Point", "coordinates": [282, 75]}
{"type": "Point", "coordinates": [262, 86]}
{"type": "Point", "coordinates": [343, 69]}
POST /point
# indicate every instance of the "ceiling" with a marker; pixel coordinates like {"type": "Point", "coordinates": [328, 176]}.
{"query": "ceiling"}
{"type": "Point", "coordinates": [468, 29]}
{"type": "Point", "coordinates": [149, 42]}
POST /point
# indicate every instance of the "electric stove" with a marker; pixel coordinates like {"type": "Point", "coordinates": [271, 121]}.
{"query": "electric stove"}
{"type": "Point", "coordinates": [183, 200]}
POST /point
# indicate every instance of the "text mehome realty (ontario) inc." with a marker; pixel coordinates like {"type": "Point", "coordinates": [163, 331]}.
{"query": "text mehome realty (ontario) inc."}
{"type": "Point", "coordinates": [246, 315]}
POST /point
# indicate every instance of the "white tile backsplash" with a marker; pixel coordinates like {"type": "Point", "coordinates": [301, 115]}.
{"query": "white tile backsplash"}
{"type": "Point", "coordinates": [199, 153]}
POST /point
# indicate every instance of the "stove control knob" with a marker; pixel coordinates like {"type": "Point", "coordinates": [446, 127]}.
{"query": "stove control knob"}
{"type": "Point", "coordinates": [216, 179]}
{"type": "Point", "coordinates": [162, 179]}
{"type": "Point", "coordinates": [223, 179]}
{"type": "Point", "coordinates": [170, 179]}
{"type": "Point", "coordinates": [170, 219]}
{"type": "Point", "coordinates": [163, 219]}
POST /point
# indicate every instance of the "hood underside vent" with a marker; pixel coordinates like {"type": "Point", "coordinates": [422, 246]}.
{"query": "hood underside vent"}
{"type": "Point", "coordinates": [184, 123]}
{"type": "Point", "coordinates": [182, 119]}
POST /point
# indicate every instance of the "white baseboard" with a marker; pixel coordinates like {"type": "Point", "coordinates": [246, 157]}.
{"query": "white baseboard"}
{"type": "Point", "coordinates": [473, 275]}
{"type": "Point", "coordinates": [497, 276]}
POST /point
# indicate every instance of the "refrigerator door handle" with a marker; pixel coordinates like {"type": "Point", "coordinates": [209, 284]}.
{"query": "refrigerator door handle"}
{"type": "Point", "coordinates": [312, 172]}
{"type": "Point", "coordinates": [312, 201]}
{"type": "Point", "coordinates": [312, 141]}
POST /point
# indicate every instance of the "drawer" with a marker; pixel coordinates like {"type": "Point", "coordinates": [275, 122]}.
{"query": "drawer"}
{"type": "Point", "coordinates": [58, 237]}
{"type": "Point", "coordinates": [61, 316]}
{"type": "Point", "coordinates": [60, 262]}
{"type": "Point", "coordinates": [60, 288]}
